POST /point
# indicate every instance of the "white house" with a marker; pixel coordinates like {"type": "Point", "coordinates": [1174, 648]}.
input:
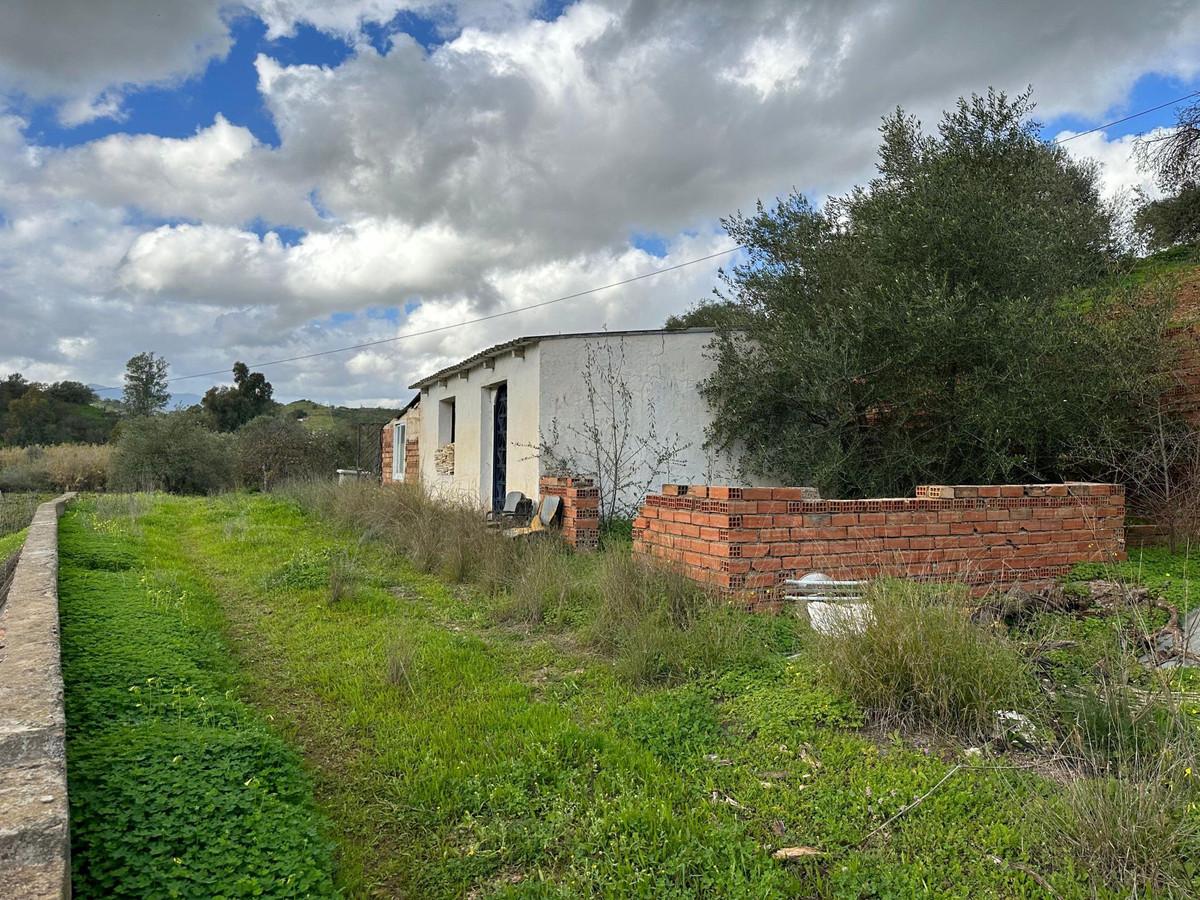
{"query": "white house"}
{"type": "Point", "coordinates": [496, 421]}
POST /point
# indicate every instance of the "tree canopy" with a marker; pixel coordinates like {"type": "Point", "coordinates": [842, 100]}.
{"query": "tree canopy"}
{"type": "Point", "coordinates": [1173, 157]}
{"type": "Point", "coordinates": [146, 384]}
{"type": "Point", "coordinates": [936, 325]}
{"type": "Point", "coordinates": [232, 407]}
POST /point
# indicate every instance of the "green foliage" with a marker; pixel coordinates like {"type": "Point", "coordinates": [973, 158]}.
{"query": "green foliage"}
{"type": "Point", "coordinates": [662, 627]}
{"type": "Point", "coordinates": [920, 329]}
{"type": "Point", "coordinates": [273, 448]}
{"type": "Point", "coordinates": [229, 408]}
{"type": "Point", "coordinates": [177, 788]}
{"type": "Point", "coordinates": [146, 391]}
{"type": "Point", "coordinates": [920, 660]}
{"type": "Point", "coordinates": [62, 412]}
{"type": "Point", "coordinates": [707, 315]}
{"type": "Point", "coordinates": [1171, 221]}
{"type": "Point", "coordinates": [175, 452]}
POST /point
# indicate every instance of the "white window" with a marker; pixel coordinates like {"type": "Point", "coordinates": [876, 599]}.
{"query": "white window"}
{"type": "Point", "coordinates": [398, 452]}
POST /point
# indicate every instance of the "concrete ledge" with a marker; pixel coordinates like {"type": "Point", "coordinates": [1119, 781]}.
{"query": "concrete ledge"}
{"type": "Point", "coordinates": [34, 835]}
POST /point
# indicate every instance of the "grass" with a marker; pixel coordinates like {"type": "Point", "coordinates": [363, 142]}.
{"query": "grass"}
{"type": "Point", "coordinates": [459, 745]}
{"type": "Point", "coordinates": [177, 787]}
{"type": "Point", "coordinates": [552, 724]}
{"type": "Point", "coordinates": [919, 661]}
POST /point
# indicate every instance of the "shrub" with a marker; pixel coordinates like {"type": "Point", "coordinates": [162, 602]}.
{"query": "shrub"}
{"type": "Point", "coordinates": [271, 449]}
{"type": "Point", "coordinates": [921, 661]}
{"type": "Point", "coordinates": [662, 627]}
{"type": "Point", "coordinates": [174, 452]}
{"type": "Point", "coordinates": [1136, 833]}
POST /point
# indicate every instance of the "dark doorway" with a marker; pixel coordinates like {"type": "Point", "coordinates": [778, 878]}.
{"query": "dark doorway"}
{"type": "Point", "coordinates": [499, 446]}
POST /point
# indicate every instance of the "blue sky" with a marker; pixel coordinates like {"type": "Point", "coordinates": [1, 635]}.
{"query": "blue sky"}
{"type": "Point", "coordinates": [506, 154]}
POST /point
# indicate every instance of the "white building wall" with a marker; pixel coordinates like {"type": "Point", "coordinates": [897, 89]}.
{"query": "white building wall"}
{"type": "Point", "coordinates": [663, 372]}
{"type": "Point", "coordinates": [474, 397]}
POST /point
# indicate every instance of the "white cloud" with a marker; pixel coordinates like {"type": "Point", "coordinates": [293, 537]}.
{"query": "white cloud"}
{"type": "Point", "coordinates": [1119, 171]}
{"type": "Point", "coordinates": [507, 166]}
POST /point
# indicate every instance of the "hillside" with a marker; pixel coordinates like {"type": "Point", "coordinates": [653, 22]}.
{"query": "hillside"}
{"type": "Point", "coordinates": [318, 416]}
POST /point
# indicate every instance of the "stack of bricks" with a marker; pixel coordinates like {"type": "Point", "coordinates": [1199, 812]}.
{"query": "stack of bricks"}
{"type": "Point", "coordinates": [747, 541]}
{"type": "Point", "coordinates": [580, 508]}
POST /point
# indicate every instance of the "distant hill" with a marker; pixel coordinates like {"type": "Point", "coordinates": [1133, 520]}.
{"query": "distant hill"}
{"type": "Point", "coordinates": [319, 416]}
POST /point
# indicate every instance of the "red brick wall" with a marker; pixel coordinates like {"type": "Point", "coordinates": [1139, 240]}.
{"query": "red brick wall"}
{"type": "Point", "coordinates": [581, 508]}
{"type": "Point", "coordinates": [746, 541]}
{"type": "Point", "coordinates": [412, 456]}
{"type": "Point", "coordinates": [386, 451]}
{"type": "Point", "coordinates": [1184, 393]}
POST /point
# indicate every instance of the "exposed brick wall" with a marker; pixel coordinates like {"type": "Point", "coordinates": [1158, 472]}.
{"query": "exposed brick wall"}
{"type": "Point", "coordinates": [412, 460]}
{"type": "Point", "coordinates": [387, 452]}
{"type": "Point", "coordinates": [1185, 390]}
{"type": "Point", "coordinates": [746, 541]}
{"type": "Point", "coordinates": [581, 508]}
{"type": "Point", "coordinates": [411, 450]}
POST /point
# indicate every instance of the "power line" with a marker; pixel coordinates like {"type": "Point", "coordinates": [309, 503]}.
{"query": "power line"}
{"type": "Point", "coordinates": [487, 318]}
{"type": "Point", "coordinates": [603, 287]}
{"type": "Point", "coordinates": [1128, 118]}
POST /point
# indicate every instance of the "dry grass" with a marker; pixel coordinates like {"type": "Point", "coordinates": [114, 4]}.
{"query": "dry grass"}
{"type": "Point", "coordinates": [656, 625]}
{"type": "Point", "coordinates": [920, 661]}
{"type": "Point", "coordinates": [61, 467]}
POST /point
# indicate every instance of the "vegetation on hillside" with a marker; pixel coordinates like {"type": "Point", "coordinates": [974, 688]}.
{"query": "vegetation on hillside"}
{"type": "Point", "coordinates": [62, 412]}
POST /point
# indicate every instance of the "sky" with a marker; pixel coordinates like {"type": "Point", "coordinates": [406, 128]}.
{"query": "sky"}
{"type": "Point", "coordinates": [264, 179]}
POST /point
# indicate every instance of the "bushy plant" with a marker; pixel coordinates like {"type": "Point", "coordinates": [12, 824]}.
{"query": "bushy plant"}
{"type": "Point", "coordinates": [922, 328]}
{"type": "Point", "coordinates": [59, 467]}
{"type": "Point", "coordinates": [918, 659]}
{"type": "Point", "coordinates": [271, 449]}
{"type": "Point", "coordinates": [661, 627]}
{"type": "Point", "coordinates": [175, 452]}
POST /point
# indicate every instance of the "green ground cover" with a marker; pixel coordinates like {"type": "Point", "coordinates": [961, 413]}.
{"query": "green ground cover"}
{"type": "Point", "coordinates": [11, 543]}
{"type": "Point", "coordinates": [177, 787]}
{"type": "Point", "coordinates": [455, 753]}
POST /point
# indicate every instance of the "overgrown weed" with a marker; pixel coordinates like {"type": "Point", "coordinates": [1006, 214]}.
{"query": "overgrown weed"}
{"type": "Point", "coordinates": [919, 661]}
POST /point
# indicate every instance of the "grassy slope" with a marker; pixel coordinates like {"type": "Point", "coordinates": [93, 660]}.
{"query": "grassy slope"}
{"type": "Point", "coordinates": [11, 543]}
{"type": "Point", "coordinates": [518, 764]}
{"type": "Point", "coordinates": [321, 417]}
{"type": "Point", "coordinates": [178, 789]}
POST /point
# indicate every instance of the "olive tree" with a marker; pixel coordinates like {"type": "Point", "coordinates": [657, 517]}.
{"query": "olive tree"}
{"type": "Point", "coordinates": [945, 322]}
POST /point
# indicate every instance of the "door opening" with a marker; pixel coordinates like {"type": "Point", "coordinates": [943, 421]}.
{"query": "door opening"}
{"type": "Point", "coordinates": [499, 445]}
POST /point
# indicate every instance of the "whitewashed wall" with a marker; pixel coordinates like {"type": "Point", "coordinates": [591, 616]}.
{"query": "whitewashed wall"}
{"type": "Point", "coordinates": [474, 396]}
{"type": "Point", "coordinates": [663, 371]}
{"type": "Point", "coordinates": [547, 396]}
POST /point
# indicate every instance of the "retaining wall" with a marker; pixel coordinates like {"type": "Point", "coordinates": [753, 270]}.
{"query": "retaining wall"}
{"type": "Point", "coordinates": [747, 541]}
{"type": "Point", "coordinates": [34, 838]}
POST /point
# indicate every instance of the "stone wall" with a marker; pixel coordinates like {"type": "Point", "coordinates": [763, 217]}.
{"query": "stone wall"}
{"type": "Point", "coordinates": [34, 839]}
{"type": "Point", "coordinates": [747, 541]}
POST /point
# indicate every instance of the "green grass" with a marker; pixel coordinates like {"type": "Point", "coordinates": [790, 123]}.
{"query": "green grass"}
{"type": "Point", "coordinates": [177, 787]}
{"type": "Point", "coordinates": [458, 750]}
{"type": "Point", "coordinates": [11, 543]}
